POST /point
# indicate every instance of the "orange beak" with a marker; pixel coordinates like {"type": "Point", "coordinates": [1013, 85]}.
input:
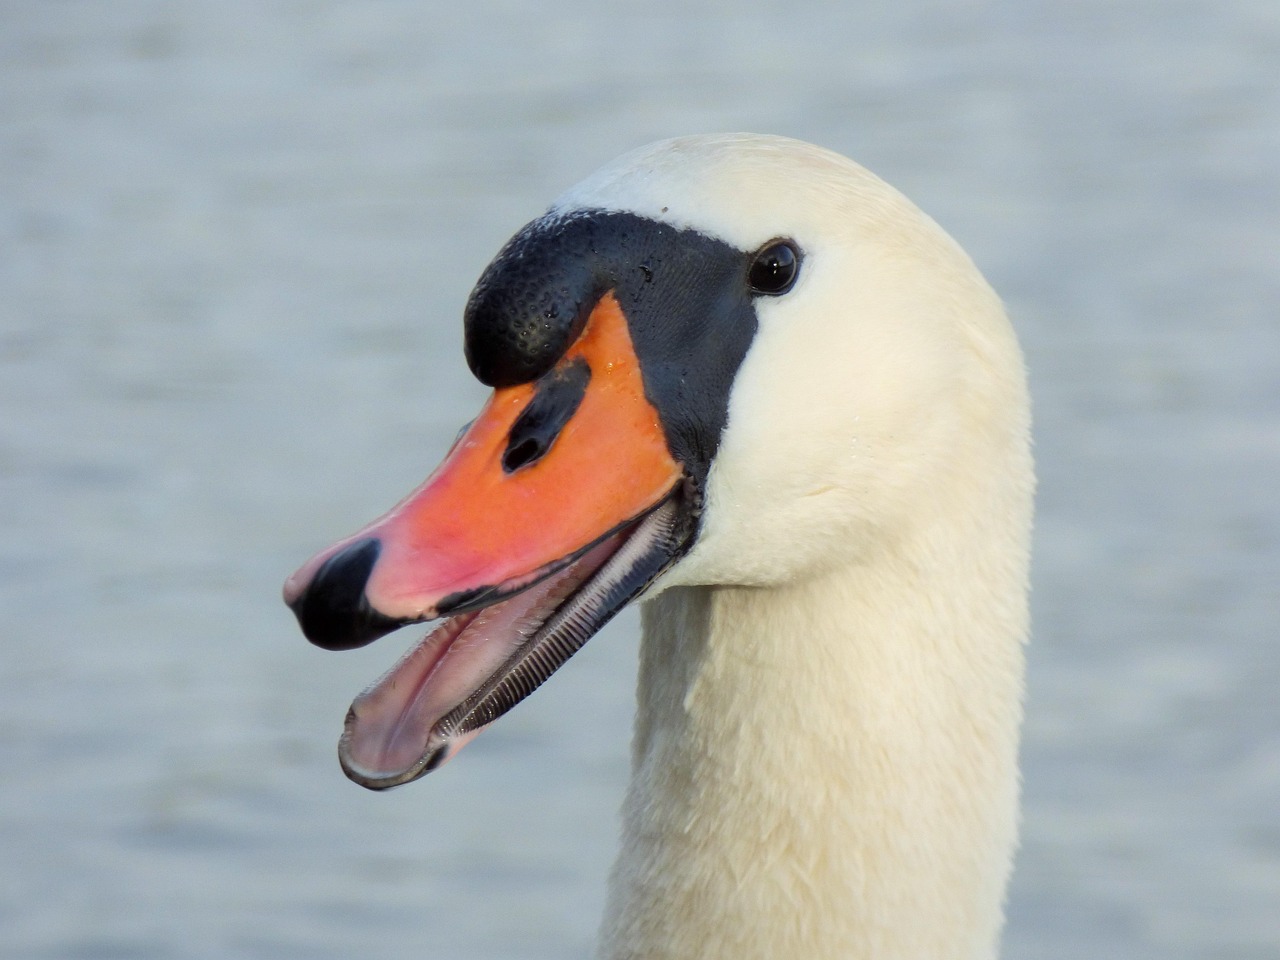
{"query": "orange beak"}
{"type": "Point", "coordinates": [555, 508]}
{"type": "Point", "coordinates": [613, 340]}
{"type": "Point", "coordinates": [477, 529]}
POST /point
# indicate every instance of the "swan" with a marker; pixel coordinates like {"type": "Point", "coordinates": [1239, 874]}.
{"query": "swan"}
{"type": "Point", "coordinates": [741, 376]}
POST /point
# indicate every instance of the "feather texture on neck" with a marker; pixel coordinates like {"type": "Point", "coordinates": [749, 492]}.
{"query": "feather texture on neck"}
{"type": "Point", "coordinates": [828, 768]}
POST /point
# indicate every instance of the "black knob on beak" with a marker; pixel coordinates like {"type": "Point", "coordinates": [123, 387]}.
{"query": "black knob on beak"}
{"type": "Point", "coordinates": [333, 611]}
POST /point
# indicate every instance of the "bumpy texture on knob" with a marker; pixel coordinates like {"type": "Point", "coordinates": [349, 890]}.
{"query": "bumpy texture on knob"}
{"type": "Point", "coordinates": [532, 302]}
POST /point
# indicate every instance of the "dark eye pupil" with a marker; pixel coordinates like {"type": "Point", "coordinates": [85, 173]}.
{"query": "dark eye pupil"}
{"type": "Point", "coordinates": [775, 268]}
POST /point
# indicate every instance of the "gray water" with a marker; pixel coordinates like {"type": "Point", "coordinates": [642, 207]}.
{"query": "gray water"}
{"type": "Point", "coordinates": [235, 239]}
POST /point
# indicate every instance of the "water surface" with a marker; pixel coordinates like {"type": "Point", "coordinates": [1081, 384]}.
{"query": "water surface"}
{"type": "Point", "coordinates": [236, 239]}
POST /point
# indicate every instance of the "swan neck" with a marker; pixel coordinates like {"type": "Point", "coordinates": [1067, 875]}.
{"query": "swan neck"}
{"type": "Point", "coordinates": [827, 769]}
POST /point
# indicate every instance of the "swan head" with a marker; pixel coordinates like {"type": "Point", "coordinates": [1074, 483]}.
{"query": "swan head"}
{"type": "Point", "coordinates": [884, 380]}
{"type": "Point", "coordinates": [718, 360]}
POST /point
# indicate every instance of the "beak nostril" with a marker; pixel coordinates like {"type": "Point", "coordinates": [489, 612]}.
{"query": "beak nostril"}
{"type": "Point", "coordinates": [332, 610]}
{"type": "Point", "coordinates": [555, 401]}
{"type": "Point", "coordinates": [522, 454]}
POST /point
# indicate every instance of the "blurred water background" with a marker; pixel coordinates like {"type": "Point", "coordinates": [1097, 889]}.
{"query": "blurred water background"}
{"type": "Point", "coordinates": [235, 240]}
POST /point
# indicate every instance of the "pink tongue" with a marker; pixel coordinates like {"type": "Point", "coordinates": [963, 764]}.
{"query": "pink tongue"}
{"type": "Point", "coordinates": [390, 728]}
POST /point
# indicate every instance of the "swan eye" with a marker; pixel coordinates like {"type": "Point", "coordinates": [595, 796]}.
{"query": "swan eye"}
{"type": "Point", "coordinates": [775, 268]}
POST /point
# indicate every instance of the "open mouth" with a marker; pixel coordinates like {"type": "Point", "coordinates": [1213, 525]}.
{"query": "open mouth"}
{"type": "Point", "coordinates": [559, 505]}
{"type": "Point", "coordinates": [475, 666]}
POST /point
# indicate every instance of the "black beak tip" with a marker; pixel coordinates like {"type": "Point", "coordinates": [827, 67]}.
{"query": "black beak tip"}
{"type": "Point", "coordinates": [332, 611]}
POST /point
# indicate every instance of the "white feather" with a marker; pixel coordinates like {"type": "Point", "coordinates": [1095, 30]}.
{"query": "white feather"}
{"type": "Point", "coordinates": [824, 762]}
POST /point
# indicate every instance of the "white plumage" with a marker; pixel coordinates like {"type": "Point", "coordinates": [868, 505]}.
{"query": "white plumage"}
{"type": "Point", "coordinates": [825, 754]}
